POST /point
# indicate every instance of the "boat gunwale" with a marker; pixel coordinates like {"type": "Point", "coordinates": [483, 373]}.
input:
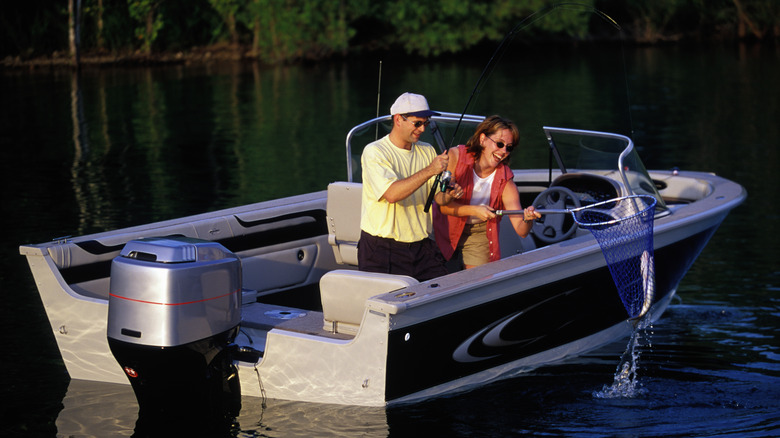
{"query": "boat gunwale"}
{"type": "Point", "coordinates": [516, 265]}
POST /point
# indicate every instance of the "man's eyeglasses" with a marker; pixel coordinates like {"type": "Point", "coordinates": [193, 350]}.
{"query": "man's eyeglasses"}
{"type": "Point", "coordinates": [500, 144]}
{"type": "Point", "coordinates": [418, 123]}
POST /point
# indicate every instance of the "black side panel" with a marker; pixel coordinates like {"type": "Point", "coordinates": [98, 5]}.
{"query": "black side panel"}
{"type": "Point", "coordinates": [518, 326]}
{"type": "Point", "coordinates": [97, 248]}
{"type": "Point", "coordinates": [318, 226]}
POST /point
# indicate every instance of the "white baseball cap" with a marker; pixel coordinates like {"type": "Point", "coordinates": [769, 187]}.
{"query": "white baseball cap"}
{"type": "Point", "coordinates": [413, 105]}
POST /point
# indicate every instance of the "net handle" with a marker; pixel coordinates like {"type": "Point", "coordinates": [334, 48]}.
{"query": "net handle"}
{"type": "Point", "coordinates": [541, 211]}
{"type": "Point", "coordinates": [596, 205]}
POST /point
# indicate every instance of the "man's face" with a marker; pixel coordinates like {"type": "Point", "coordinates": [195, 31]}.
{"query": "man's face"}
{"type": "Point", "coordinates": [409, 131]}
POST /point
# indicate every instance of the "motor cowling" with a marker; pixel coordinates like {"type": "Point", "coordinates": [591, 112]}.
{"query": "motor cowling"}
{"type": "Point", "coordinates": [173, 313]}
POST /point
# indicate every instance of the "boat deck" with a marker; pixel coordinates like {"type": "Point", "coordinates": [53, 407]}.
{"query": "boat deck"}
{"type": "Point", "coordinates": [264, 317]}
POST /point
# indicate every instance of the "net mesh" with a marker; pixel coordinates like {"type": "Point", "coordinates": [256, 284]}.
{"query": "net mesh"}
{"type": "Point", "coordinates": [623, 228]}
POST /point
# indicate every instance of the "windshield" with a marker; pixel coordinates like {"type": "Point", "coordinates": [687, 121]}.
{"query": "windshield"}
{"type": "Point", "coordinates": [602, 152]}
{"type": "Point", "coordinates": [574, 150]}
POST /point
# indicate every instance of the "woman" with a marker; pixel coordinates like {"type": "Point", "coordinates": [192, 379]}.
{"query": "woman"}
{"type": "Point", "coordinates": [467, 223]}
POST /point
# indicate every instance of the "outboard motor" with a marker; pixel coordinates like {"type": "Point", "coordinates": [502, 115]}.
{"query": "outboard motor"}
{"type": "Point", "coordinates": [173, 313]}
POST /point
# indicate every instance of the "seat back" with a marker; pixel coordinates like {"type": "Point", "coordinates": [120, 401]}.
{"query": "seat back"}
{"type": "Point", "coordinates": [343, 210]}
{"type": "Point", "coordinates": [344, 294]}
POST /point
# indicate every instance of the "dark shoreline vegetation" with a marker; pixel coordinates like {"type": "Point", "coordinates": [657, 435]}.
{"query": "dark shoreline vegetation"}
{"type": "Point", "coordinates": [39, 34]}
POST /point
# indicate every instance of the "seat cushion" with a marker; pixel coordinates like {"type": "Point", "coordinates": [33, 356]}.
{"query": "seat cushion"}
{"type": "Point", "coordinates": [344, 294]}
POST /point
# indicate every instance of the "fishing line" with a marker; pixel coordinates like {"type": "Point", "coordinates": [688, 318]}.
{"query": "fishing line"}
{"type": "Point", "coordinates": [378, 93]}
{"type": "Point", "coordinates": [496, 56]}
{"type": "Point", "coordinates": [625, 79]}
{"type": "Point", "coordinates": [501, 49]}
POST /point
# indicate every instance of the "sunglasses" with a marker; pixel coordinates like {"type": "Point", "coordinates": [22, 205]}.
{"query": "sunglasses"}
{"type": "Point", "coordinates": [500, 144]}
{"type": "Point", "coordinates": [418, 123]}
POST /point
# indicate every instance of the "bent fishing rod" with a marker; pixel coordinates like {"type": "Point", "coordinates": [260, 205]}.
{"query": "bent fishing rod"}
{"type": "Point", "coordinates": [442, 180]}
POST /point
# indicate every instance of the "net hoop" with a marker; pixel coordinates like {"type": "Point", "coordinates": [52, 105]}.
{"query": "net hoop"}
{"type": "Point", "coordinates": [623, 228]}
{"type": "Point", "coordinates": [649, 203]}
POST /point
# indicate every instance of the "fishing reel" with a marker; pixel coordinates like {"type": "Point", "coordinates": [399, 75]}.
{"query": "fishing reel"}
{"type": "Point", "coordinates": [442, 184]}
{"type": "Point", "coordinates": [444, 181]}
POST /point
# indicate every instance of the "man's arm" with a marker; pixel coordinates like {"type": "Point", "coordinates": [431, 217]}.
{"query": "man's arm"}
{"type": "Point", "coordinates": [401, 189]}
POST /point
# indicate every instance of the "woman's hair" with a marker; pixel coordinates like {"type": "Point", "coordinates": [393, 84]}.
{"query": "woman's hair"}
{"type": "Point", "coordinates": [490, 126]}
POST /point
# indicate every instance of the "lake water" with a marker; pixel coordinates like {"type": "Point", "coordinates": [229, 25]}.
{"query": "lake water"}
{"type": "Point", "coordinates": [146, 144]}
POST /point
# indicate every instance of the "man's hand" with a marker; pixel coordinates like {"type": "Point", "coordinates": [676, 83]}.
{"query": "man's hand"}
{"type": "Point", "coordinates": [403, 188]}
{"type": "Point", "coordinates": [439, 164]}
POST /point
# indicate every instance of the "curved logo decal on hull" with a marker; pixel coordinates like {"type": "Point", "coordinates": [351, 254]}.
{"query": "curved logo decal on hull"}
{"type": "Point", "coordinates": [493, 340]}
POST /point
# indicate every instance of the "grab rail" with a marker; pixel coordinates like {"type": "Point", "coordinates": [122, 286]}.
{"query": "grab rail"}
{"type": "Point", "coordinates": [549, 130]}
{"type": "Point", "coordinates": [443, 117]}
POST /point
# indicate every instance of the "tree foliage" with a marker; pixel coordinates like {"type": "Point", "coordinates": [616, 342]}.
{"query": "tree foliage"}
{"type": "Point", "coordinates": [148, 21]}
{"type": "Point", "coordinates": [228, 10]}
{"type": "Point", "coordinates": [289, 30]}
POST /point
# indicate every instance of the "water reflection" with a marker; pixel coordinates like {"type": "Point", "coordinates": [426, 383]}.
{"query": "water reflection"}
{"type": "Point", "coordinates": [92, 409]}
{"type": "Point", "coordinates": [159, 143]}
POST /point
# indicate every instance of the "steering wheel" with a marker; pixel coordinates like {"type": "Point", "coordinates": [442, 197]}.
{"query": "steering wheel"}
{"type": "Point", "coordinates": [554, 228]}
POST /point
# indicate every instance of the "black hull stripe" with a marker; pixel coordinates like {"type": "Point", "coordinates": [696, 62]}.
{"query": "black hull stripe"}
{"type": "Point", "coordinates": [317, 227]}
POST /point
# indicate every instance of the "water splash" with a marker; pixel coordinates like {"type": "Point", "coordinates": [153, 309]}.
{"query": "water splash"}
{"type": "Point", "coordinates": [626, 383]}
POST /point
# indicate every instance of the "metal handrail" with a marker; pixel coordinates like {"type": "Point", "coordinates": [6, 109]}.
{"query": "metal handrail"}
{"type": "Point", "coordinates": [443, 117]}
{"type": "Point", "coordinates": [548, 130]}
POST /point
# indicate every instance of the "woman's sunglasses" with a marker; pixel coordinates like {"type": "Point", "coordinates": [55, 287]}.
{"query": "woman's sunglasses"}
{"type": "Point", "coordinates": [509, 147]}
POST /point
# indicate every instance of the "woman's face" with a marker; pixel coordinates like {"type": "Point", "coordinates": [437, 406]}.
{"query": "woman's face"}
{"type": "Point", "coordinates": [492, 154]}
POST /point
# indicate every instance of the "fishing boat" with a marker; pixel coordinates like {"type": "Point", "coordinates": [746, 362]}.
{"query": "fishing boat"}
{"type": "Point", "coordinates": [272, 289]}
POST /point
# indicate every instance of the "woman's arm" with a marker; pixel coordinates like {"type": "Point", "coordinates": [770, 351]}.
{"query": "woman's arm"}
{"type": "Point", "coordinates": [455, 208]}
{"type": "Point", "coordinates": [521, 223]}
{"type": "Point", "coordinates": [449, 204]}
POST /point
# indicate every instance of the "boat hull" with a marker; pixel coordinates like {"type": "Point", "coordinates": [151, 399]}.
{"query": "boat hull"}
{"type": "Point", "coordinates": [476, 326]}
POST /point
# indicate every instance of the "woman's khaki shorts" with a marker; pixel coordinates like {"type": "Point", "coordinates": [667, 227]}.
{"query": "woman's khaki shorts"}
{"type": "Point", "coordinates": [474, 244]}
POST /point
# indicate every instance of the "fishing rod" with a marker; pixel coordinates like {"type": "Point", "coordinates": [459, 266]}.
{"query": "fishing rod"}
{"type": "Point", "coordinates": [621, 229]}
{"type": "Point", "coordinates": [493, 61]}
{"type": "Point", "coordinates": [378, 94]}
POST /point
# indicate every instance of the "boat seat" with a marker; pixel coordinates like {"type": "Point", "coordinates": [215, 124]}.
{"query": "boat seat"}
{"type": "Point", "coordinates": [344, 293]}
{"type": "Point", "coordinates": [343, 212]}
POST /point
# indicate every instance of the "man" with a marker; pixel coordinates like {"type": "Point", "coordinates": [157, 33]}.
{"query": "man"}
{"type": "Point", "coordinates": [398, 173]}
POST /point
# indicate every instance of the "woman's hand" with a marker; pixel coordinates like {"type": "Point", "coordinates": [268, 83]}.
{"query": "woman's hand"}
{"type": "Point", "coordinates": [530, 214]}
{"type": "Point", "coordinates": [453, 193]}
{"type": "Point", "coordinates": [456, 192]}
{"type": "Point", "coordinates": [483, 212]}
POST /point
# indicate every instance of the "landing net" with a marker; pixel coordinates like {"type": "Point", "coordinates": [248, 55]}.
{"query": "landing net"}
{"type": "Point", "coordinates": [623, 228]}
